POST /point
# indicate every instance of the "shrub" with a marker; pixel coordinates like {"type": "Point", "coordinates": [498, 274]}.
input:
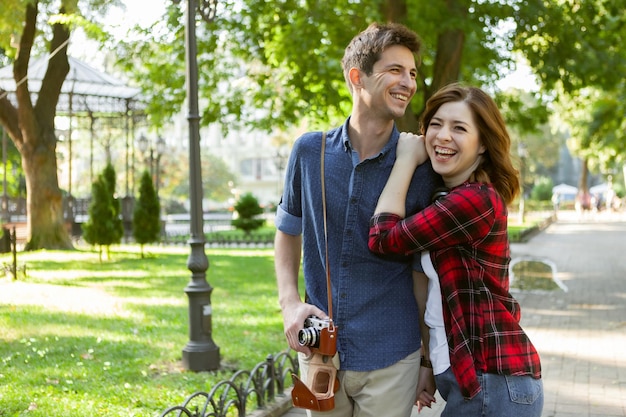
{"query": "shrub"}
{"type": "Point", "coordinates": [146, 214]}
{"type": "Point", "coordinates": [104, 226]}
{"type": "Point", "coordinates": [542, 191]}
{"type": "Point", "coordinates": [248, 209]}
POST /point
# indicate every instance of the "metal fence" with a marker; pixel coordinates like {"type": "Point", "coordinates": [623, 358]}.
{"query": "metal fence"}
{"type": "Point", "coordinates": [244, 392]}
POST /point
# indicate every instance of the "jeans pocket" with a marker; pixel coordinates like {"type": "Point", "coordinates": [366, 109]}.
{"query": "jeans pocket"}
{"type": "Point", "coordinates": [524, 389]}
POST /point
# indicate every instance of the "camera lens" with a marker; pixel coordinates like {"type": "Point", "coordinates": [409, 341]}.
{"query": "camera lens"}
{"type": "Point", "coordinates": [308, 337]}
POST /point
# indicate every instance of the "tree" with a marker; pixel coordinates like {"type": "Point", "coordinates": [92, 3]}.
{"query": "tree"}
{"type": "Point", "coordinates": [104, 226]}
{"type": "Point", "coordinates": [215, 173]}
{"type": "Point", "coordinates": [576, 48]}
{"type": "Point", "coordinates": [530, 132]}
{"type": "Point", "coordinates": [30, 122]}
{"type": "Point", "coordinates": [573, 45]}
{"type": "Point", "coordinates": [248, 210]}
{"type": "Point", "coordinates": [147, 213]}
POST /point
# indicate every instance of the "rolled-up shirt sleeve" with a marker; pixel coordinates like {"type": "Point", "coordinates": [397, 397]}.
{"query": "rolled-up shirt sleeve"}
{"type": "Point", "coordinates": [288, 223]}
{"type": "Point", "coordinates": [380, 240]}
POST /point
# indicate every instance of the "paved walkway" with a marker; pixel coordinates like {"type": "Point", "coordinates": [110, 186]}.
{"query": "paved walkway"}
{"type": "Point", "coordinates": [580, 334]}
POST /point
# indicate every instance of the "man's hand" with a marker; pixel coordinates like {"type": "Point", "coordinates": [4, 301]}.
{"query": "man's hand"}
{"type": "Point", "coordinates": [294, 315]}
{"type": "Point", "coordinates": [425, 389]}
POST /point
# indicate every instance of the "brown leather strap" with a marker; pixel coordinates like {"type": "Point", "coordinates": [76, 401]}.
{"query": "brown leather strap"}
{"type": "Point", "coordinates": [328, 287]}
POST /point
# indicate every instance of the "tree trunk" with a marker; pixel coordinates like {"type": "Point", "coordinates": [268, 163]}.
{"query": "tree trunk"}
{"type": "Point", "coordinates": [446, 70]}
{"type": "Point", "coordinates": [35, 138]}
{"type": "Point", "coordinates": [450, 45]}
{"type": "Point", "coordinates": [46, 224]}
{"type": "Point", "coordinates": [584, 176]}
{"type": "Point", "coordinates": [447, 66]}
{"type": "Point", "coordinates": [396, 11]}
{"type": "Point", "coordinates": [583, 198]}
{"type": "Point", "coordinates": [393, 10]}
{"type": "Point", "coordinates": [448, 61]}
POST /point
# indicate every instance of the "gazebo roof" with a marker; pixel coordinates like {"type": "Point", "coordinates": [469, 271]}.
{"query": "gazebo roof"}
{"type": "Point", "coordinates": [91, 90]}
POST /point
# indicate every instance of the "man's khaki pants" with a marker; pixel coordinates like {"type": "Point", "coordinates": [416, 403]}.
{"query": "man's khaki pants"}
{"type": "Point", "coordinates": [387, 392]}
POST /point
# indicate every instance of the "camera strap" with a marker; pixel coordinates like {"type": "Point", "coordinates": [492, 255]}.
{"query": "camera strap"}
{"type": "Point", "coordinates": [318, 393]}
{"type": "Point", "coordinates": [328, 286]}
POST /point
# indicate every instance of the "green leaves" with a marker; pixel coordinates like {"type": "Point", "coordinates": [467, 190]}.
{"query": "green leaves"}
{"type": "Point", "coordinates": [576, 48]}
{"type": "Point", "coordinates": [577, 44]}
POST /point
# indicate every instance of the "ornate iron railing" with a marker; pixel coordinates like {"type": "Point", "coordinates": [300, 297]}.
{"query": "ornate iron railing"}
{"type": "Point", "coordinates": [244, 389]}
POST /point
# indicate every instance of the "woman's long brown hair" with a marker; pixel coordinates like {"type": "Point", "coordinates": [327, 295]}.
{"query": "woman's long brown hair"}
{"type": "Point", "coordinates": [496, 167]}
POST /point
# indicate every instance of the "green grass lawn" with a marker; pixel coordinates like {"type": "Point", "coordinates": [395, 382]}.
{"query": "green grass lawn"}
{"type": "Point", "coordinates": [87, 338]}
{"type": "Point", "coordinates": [80, 337]}
{"type": "Point", "coordinates": [517, 231]}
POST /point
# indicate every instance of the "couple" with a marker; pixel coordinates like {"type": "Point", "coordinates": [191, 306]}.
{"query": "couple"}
{"type": "Point", "coordinates": [453, 301]}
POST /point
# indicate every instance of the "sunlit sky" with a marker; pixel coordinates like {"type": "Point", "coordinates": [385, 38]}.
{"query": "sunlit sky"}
{"type": "Point", "coordinates": [522, 78]}
{"type": "Point", "coordinates": [117, 22]}
{"type": "Point", "coordinates": [137, 12]}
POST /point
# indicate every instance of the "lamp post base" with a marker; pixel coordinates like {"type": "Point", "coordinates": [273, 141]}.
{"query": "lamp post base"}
{"type": "Point", "coordinates": [201, 356]}
{"type": "Point", "coordinates": [201, 353]}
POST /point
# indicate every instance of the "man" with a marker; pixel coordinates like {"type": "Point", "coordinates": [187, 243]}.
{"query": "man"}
{"type": "Point", "coordinates": [374, 308]}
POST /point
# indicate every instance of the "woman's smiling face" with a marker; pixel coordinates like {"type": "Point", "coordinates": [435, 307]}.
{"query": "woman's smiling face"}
{"type": "Point", "coordinates": [453, 143]}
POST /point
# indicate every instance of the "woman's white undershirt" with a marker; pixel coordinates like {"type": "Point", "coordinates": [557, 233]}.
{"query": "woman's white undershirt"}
{"type": "Point", "coordinates": [438, 346]}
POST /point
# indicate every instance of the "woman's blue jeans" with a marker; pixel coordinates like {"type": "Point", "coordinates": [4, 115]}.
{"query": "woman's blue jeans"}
{"type": "Point", "coordinates": [500, 396]}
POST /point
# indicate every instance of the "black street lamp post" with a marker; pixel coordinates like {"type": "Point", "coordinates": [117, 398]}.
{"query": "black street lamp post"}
{"type": "Point", "coordinates": [160, 150]}
{"type": "Point", "coordinates": [5, 198]}
{"type": "Point", "coordinates": [147, 153]}
{"type": "Point", "coordinates": [200, 353]}
{"type": "Point", "coordinates": [153, 161]}
{"type": "Point", "coordinates": [280, 161]}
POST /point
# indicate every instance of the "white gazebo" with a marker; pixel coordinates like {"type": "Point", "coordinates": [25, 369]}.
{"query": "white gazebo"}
{"type": "Point", "coordinates": [86, 93]}
{"type": "Point", "coordinates": [565, 191]}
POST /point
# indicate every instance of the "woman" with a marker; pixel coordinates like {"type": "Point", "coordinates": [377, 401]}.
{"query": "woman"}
{"type": "Point", "coordinates": [484, 364]}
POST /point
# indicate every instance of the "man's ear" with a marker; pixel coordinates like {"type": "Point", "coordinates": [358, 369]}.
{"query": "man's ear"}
{"type": "Point", "coordinates": [355, 77]}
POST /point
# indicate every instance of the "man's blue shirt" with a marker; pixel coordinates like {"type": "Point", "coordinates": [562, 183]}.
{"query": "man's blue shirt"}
{"type": "Point", "coordinates": [373, 303]}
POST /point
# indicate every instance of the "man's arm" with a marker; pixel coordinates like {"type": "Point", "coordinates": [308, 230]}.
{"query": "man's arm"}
{"type": "Point", "coordinates": [287, 256]}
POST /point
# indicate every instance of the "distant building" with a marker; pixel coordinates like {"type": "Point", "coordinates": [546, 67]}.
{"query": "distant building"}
{"type": "Point", "coordinates": [250, 155]}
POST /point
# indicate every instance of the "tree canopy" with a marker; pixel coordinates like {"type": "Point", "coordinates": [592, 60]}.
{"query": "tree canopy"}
{"type": "Point", "coordinates": [277, 64]}
{"type": "Point", "coordinates": [272, 65]}
{"type": "Point", "coordinates": [576, 49]}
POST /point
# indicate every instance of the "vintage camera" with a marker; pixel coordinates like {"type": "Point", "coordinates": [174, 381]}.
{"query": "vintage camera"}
{"type": "Point", "coordinates": [317, 391]}
{"type": "Point", "coordinates": [311, 334]}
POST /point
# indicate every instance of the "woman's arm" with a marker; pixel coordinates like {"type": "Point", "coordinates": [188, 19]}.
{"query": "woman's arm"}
{"type": "Point", "coordinates": [465, 215]}
{"type": "Point", "coordinates": [410, 153]}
